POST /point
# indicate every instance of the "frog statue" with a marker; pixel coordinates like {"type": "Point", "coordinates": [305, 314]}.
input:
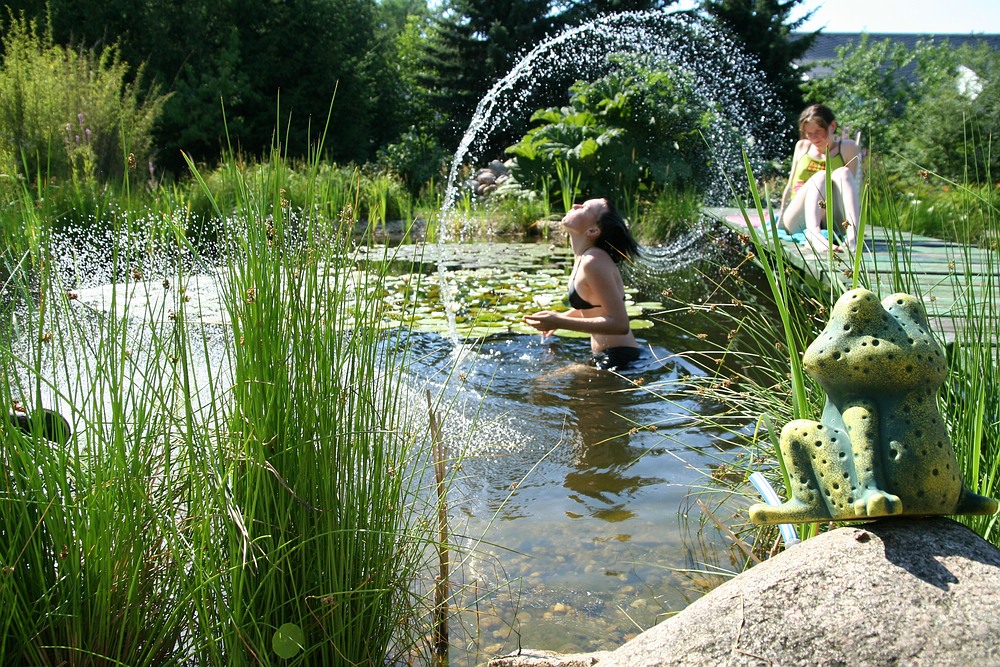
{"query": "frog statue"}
{"type": "Point", "coordinates": [881, 448]}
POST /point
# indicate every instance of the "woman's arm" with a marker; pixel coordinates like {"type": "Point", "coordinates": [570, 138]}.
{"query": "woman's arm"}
{"type": "Point", "coordinates": [852, 157]}
{"type": "Point", "coordinates": [801, 147]}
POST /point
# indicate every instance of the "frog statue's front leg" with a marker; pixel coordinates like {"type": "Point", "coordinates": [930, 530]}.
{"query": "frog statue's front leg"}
{"type": "Point", "coordinates": [819, 463]}
{"type": "Point", "coordinates": [833, 469]}
{"type": "Point", "coordinates": [869, 497]}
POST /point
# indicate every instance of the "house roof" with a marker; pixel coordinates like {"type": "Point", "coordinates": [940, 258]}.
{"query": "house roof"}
{"type": "Point", "coordinates": [824, 48]}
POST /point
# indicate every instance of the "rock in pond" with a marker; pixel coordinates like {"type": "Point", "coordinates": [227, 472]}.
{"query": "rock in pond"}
{"type": "Point", "coordinates": [903, 591]}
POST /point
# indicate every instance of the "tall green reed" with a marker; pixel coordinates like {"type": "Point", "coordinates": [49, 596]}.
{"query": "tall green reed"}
{"type": "Point", "coordinates": [569, 183]}
{"type": "Point", "coordinates": [92, 554]}
{"type": "Point", "coordinates": [230, 483]}
{"type": "Point", "coordinates": [755, 372]}
{"type": "Point", "coordinates": [746, 390]}
{"type": "Point", "coordinates": [316, 470]}
{"type": "Point", "coordinates": [968, 399]}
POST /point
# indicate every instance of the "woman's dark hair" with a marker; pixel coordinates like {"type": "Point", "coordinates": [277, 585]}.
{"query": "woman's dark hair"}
{"type": "Point", "coordinates": [815, 113]}
{"type": "Point", "coordinates": [616, 239]}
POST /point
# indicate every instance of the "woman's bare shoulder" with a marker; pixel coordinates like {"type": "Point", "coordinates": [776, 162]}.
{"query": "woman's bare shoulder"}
{"type": "Point", "coordinates": [595, 258]}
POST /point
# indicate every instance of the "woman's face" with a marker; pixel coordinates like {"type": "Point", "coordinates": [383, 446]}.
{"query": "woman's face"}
{"type": "Point", "coordinates": [816, 134]}
{"type": "Point", "coordinates": [584, 216]}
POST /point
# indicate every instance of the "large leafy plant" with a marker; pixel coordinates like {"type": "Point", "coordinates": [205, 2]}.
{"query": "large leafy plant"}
{"type": "Point", "coordinates": [636, 127]}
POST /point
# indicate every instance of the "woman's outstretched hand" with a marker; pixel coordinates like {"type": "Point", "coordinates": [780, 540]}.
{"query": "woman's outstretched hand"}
{"type": "Point", "coordinates": [545, 321]}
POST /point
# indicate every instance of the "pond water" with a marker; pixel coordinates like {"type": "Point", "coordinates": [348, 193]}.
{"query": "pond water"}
{"type": "Point", "coordinates": [569, 507]}
{"type": "Point", "coordinates": [572, 485]}
{"type": "Point", "coordinates": [571, 495]}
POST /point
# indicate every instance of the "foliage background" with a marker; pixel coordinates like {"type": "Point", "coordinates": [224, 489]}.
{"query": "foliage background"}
{"type": "Point", "coordinates": [391, 84]}
{"type": "Point", "coordinates": [933, 107]}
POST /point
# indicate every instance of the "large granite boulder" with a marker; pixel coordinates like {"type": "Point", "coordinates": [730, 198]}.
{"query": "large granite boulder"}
{"type": "Point", "coordinates": [894, 592]}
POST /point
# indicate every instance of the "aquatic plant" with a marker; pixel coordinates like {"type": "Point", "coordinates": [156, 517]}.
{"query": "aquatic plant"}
{"type": "Point", "coordinates": [243, 483]}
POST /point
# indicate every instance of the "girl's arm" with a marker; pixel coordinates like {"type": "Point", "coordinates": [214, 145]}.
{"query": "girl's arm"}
{"type": "Point", "coordinates": [852, 157]}
{"type": "Point", "coordinates": [801, 147]}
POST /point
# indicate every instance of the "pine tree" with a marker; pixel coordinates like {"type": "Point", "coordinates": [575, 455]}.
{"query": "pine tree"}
{"type": "Point", "coordinates": [580, 11]}
{"type": "Point", "coordinates": [765, 32]}
{"type": "Point", "coordinates": [473, 44]}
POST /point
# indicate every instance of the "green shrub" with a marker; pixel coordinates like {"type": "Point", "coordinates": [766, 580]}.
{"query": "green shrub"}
{"type": "Point", "coordinates": [418, 159]}
{"type": "Point", "coordinates": [624, 132]}
{"type": "Point", "coordinates": [948, 129]}
{"type": "Point", "coordinates": [672, 212]}
{"type": "Point", "coordinates": [72, 115]}
{"type": "Point", "coordinates": [326, 190]}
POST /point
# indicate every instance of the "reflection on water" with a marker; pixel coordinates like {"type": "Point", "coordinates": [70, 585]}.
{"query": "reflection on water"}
{"type": "Point", "coordinates": [570, 491]}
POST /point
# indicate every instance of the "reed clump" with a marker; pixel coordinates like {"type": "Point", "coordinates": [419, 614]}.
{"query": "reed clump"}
{"type": "Point", "coordinates": [243, 487]}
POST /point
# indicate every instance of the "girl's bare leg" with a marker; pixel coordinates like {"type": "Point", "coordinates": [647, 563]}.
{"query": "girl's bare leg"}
{"type": "Point", "coordinates": [848, 208]}
{"type": "Point", "coordinates": [793, 216]}
{"type": "Point", "coordinates": [814, 191]}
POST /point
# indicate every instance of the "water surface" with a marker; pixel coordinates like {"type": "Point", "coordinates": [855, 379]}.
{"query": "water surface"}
{"type": "Point", "coordinates": [572, 484]}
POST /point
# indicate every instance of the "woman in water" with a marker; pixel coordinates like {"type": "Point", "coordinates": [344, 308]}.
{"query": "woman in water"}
{"type": "Point", "coordinates": [600, 240]}
{"type": "Point", "coordinates": [803, 202]}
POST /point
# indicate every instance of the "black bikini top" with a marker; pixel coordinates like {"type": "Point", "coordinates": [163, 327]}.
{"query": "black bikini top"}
{"type": "Point", "coordinates": [577, 301]}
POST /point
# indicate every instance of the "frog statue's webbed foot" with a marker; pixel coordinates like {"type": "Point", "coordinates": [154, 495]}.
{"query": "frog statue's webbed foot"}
{"type": "Point", "coordinates": [793, 511]}
{"type": "Point", "coordinates": [973, 503]}
{"type": "Point", "coordinates": [875, 502]}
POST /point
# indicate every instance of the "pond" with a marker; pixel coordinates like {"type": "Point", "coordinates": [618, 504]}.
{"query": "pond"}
{"type": "Point", "coordinates": [568, 510]}
{"type": "Point", "coordinates": [572, 485]}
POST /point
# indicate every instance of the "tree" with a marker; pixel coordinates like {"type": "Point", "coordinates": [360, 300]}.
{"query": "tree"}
{"type": "Point", "coordinates": [765, 31]}
{"type": "Point", "coordinates": [475, 43]}
{"type": "Point", "coordinates": [950, 127]}
{"type": "Point", "coordinates": [581, 11]}
{"type": "Point", "coordinates": [472, 44]}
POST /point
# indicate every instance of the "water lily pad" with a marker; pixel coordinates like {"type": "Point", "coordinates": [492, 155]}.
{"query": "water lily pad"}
{"type": "Point", "coordinates": [485, 316]}
{"type": "Point", "coordinates": [482, 331]}
{"type": "Point", "coordinates": [640, 324]}
{"type": "Point", "coordinates": [566, 333]}
{"type": "Point", "coordinates": [288, 641]}
{"type": "Point", "coordinates": [521, 328]}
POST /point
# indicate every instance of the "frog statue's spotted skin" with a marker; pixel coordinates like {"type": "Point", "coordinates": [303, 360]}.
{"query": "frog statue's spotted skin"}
{"type": "Point", "coordinates": [882, 448]}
